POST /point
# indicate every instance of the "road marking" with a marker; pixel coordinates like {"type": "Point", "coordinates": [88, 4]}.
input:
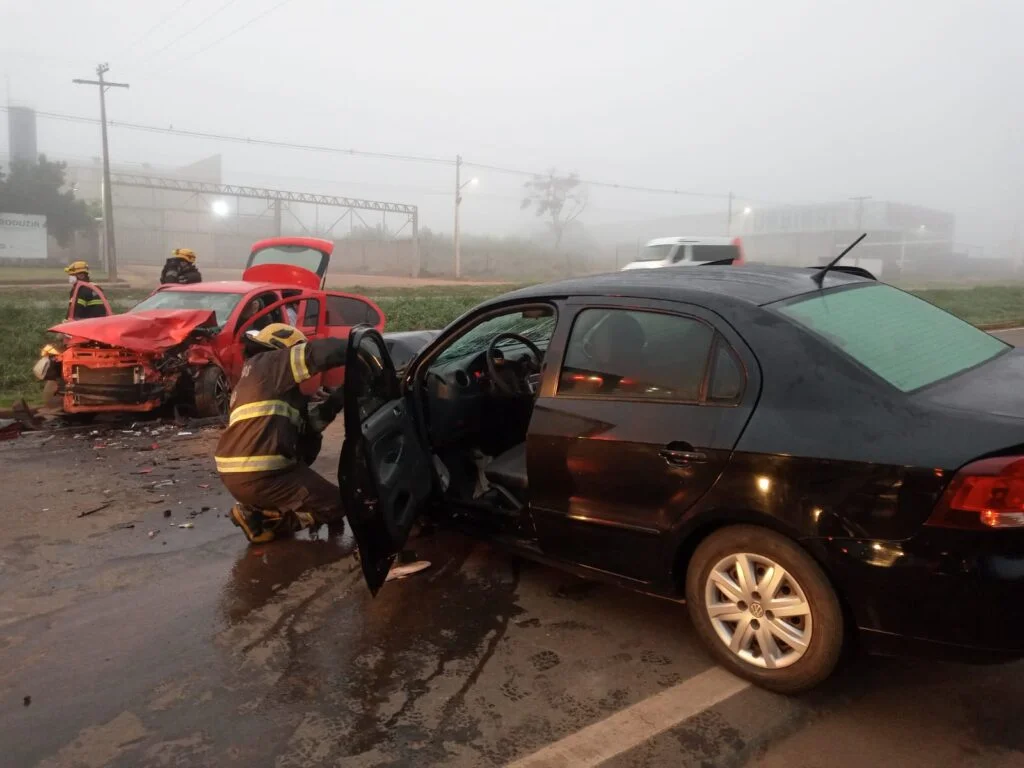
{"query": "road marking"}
{"type": "Point", "coordinates": [636, 724]}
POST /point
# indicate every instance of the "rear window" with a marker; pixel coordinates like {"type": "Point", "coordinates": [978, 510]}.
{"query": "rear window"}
{"type": "Point", "coordinates": [295, 255]}
{"type": "Point", "coordinates": [899, 337]}
{"type": "Point", "coordinates": [344, 311]}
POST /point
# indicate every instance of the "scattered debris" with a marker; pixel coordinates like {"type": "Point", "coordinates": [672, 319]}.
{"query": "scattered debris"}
{"type": "Point", "coordinates": [401, 571]}
{"type": "Point", "coordinates": [95, 509]}
{"type": "Point", "coordinates": [152, 534]}
{"type": "Point", "coordinates": [123, 526]}
{"type": "Point", "coordinates": [204, 486]}
{"type": "Point", "coordinates": [204, 509]}
{"type": "Point", "coordinates": [152, 447]}
{"type": "Point", "coordinates": [27, 701]}
{"type": "Point", "coordinates": [10, 429]}
{"type": "Point", "coordinates": [167, 513]}
{"type": "Point", "coordinates": [186, 525]}
{"type": "Point", "coordinates": [144, 471]}
{"type": "Point", "coordinates": [163, 484]}
{"type": "Point", "coordinates": [185, 434]}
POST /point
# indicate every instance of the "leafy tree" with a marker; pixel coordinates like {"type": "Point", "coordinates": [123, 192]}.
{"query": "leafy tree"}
{"type": "Point", "coordinates": [39, 189]}
{"type": "Point", "coordinates": [560, 198]}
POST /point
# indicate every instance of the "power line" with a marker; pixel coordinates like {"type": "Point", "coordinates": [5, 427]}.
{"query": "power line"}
{"type": "Point", "coordinates": [604, 184]}
{"type": "Point", "coordinates": [247, 24]}
{"type": "Point", "coordinates": [189, 31]}
{"type": "Point", "coordinates": [243, 139]}
{"type": "Point", "coordinates": [367, 154]}
{"type": "Point", "coordinates": [160, 23]}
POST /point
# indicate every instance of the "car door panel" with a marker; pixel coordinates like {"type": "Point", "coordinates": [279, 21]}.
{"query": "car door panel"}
{"type": "Point", "coordinates": [610, 477]}
{"type": "Point", "coordinates": [385, 474]}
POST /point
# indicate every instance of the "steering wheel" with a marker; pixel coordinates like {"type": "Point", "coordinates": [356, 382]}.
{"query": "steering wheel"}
{"type": "Point", "coordinates": [525, 373]}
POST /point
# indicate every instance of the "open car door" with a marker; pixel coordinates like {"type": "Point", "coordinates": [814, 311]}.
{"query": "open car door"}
{"type": "Point", "coordinates": [300, 261]}
{"type": "Point", "coordinates": [385, 473]}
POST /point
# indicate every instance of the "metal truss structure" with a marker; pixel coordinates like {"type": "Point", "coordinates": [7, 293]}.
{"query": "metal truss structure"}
{"type": "Point", "coordinates": [280, 200]}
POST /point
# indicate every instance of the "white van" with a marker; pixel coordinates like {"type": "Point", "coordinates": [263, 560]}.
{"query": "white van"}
{"type": "Point", "coordinates": [687, 252]}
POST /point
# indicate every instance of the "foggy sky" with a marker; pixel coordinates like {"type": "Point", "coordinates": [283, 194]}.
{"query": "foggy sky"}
{"type": "Point", "coordinates": [787, 101]}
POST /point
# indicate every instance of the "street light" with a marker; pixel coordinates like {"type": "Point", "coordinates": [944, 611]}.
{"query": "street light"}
{"type": "Point", "coordinates": [459, 186]}
{"type": "Point", "coordinates": [220, 208]}
{"type": "Point", "coordinates": [747, 211]}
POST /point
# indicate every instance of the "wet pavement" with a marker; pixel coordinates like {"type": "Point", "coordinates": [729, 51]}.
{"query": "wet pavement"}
{"type": "Point", "coordinates": [189, 648]}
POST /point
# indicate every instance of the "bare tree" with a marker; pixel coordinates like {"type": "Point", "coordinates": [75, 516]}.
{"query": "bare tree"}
{"type": "Point", "coordinates": [561, 198]}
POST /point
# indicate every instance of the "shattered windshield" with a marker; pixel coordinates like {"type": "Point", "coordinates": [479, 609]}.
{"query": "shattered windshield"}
{"type": "Point", "coordinates": [223, 304]}
{"type": "Point", "coordinates": [536, 324]}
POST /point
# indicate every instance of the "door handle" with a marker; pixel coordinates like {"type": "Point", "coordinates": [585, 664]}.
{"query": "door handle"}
{"type": "Point", "coordinates": [682, 457]}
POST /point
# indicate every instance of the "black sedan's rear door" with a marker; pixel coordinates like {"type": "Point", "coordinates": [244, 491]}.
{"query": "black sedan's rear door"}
{"type": "Point", "coordinates": [633, 428]}
{"type": "Point", "coordinates": [385, 474]}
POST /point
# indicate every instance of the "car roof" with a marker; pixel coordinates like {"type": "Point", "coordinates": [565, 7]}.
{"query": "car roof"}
{"type": "Point", "coordinates": [691, 240]}
{"type": "Point", "coordinates": [753, 285]}
{"type": "Point", "coordinates": [223, 286]}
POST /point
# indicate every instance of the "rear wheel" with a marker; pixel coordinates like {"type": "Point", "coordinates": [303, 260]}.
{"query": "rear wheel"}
{"type": "Point", "coordinates": [213, 393]}
{"type": "Point", "coordinates": [764, 608]}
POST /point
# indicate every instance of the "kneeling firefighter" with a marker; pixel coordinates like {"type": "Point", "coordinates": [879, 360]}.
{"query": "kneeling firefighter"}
{"type": "Point", "coordinates": [274, 434]}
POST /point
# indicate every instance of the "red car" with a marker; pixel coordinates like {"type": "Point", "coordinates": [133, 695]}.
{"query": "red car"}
{"type": "Point", "coordinates": [182, 344]}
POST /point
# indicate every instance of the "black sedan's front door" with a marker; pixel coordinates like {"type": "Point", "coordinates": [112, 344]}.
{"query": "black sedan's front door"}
{"type": "Point", "coordinates": [385, 474]}
{"type": "Point", "coordinates": [635, 425]}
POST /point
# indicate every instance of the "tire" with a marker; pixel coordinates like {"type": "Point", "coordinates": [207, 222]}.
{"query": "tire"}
{"type": "Point", "coordinates": [212, 393]}
{"type": "Point", "coordinates": [813, 620]}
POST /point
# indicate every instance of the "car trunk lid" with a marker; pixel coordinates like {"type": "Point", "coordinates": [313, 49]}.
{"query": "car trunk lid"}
{"type": "Point", "coordinates": [995, 388]}
{"type": "Point", "coordinates": [300, 261]}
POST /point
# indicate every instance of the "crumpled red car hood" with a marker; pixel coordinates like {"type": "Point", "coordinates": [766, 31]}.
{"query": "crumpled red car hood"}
{"type": "Point", "coordinates": [152, 330]}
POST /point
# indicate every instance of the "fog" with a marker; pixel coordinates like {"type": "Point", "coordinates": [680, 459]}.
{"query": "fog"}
{"type": "Point", "coordinates": [778, 103]}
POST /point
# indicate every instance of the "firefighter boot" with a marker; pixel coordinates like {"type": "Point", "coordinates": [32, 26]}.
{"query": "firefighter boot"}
{"type": "Point", "coordinates": [259, 525]}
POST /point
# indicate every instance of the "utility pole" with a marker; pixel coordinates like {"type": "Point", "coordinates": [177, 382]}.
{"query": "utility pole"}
{"type": "Point", "coordinates": [108, 204]}
{"type": "Point", "coordinates": [458, 201]}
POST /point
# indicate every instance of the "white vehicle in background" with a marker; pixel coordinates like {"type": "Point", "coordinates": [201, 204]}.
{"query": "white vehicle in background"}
{"type": "Point", "coordinates": [687, 252]}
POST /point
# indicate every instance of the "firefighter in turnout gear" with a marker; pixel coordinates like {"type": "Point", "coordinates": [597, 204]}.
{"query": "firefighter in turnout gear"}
{"type": "Point", "coordinates": [274, 434]}
{"type": "Point", "coordinates": [181, 268]}
{"type": "Point", "coordinates": [86, 300]}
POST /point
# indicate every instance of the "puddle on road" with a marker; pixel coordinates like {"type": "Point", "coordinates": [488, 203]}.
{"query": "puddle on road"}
{"type": "Point", "coordinates": [262, 571]}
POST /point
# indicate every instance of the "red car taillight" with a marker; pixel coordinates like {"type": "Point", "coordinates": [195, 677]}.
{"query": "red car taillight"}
{"type": "Point", "coordinates": [984, 494]}
{"type": "Point", "coordinates": [740, 260]}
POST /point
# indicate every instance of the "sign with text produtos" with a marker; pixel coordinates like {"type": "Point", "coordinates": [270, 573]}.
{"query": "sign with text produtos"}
{"type": "Point", "coordinates": [22, 236]}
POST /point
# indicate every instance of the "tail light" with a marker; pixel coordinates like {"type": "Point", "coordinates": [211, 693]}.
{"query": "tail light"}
{"type": "Point", "coordinates": [984, 494]}
{"type": "Point", "coordinates": [740, 260]}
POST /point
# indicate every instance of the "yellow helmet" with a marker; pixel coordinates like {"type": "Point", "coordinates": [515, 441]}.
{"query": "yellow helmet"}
{"type": "Point", "coordinates": [185, 253]}
{"type": "Point", "coordinates": [77, 268]}
{"type": "Point", "coordinates": [276, 336]}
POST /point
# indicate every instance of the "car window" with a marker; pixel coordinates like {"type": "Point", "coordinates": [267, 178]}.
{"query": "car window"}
{"type": "Point", "coordinates": [727, 377]}
{"type": "Point", "coordinates": [715, 252]}
{"type": "Point", "coordinates": [311, 316]}
{"type": "Point", "coordinates": [296, 255]}
{"type": "Point", "coordinates": [347, 311]}
{"type": "Point", "coordinates": [655, 252]}
{"type": "Point", "coordinates": [258, 304]}
{"type": "Point", "coordinates": [536, 324]}
{"type": "Point", "coordinates": [901, 338]}
{"type": "Point", "coordinates": [223, 304]}
{"type": "Point", "coordinates": [643, 355]}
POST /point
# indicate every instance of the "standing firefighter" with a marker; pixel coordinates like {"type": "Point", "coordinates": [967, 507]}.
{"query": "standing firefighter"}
{"type": "Point", "coordinates": [181, 268]}
{"type": "Point", "coordinates": [86, 300]}
{"type": "Point", "coordinates": [273, 435]}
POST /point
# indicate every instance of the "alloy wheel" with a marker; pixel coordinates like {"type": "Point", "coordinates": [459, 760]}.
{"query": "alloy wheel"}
{"type": "Point", "coordinates": [758, 610]}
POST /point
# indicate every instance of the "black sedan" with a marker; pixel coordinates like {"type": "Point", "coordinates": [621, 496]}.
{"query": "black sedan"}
{"type": "Point", "coordinates": [807, 462]}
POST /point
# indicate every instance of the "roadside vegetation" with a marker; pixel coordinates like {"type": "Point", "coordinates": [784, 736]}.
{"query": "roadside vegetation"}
{"type": "Point", "coordinates": [26, 314]}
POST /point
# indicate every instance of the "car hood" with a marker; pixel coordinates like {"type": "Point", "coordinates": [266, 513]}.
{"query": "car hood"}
{"type": "Point", "coordinates": [152, 330]}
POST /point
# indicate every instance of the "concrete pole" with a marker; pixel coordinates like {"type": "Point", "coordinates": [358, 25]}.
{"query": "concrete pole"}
{"type": "Point", "coordinates": [458, 201]}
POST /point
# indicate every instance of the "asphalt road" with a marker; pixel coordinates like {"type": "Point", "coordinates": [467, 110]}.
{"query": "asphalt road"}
{"type": "Point", "coordinates": [189, 648]}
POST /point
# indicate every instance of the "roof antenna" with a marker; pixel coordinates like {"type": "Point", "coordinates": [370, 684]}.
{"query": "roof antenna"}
{"type": "Point", "coordinates": [819, 276]}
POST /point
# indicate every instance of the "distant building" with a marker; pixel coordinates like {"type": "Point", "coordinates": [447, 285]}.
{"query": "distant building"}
{"type": "Point", "coordinates": [900, 237]}
{"type": "Point", "coordinates": [21, 134]}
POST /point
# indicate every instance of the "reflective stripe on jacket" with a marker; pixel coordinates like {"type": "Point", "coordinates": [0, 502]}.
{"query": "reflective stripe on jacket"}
{"type": "Point", "coordinates": [270, 419]}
